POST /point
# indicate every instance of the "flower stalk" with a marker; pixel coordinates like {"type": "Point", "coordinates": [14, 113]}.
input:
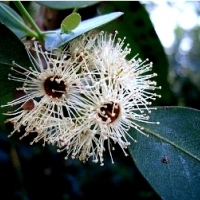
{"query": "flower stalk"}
{"type": "Point", "coordinates": [40, 35]}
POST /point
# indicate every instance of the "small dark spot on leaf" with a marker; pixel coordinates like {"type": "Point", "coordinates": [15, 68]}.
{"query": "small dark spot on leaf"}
{"type": "Point", "coordinates": [165, 160]}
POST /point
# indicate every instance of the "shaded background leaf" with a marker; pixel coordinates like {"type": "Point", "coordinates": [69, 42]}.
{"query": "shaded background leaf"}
{"type": "Point", "coordinates": [10, 22]}
{"type": "Point", "coordinates": [66, 4]}
{"type": "Point", "coordinates": [170, 157]}
{"type": "Point", "coordinates": [11, 49]}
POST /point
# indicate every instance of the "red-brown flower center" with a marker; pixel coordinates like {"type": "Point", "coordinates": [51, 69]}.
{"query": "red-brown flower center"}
{"type": "Point", "coordinates": [54, 87]}
{"type": "Point", "coordinates": [109, 112]}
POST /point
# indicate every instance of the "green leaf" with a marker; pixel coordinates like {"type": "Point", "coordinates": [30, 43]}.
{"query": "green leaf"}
{"type": "Point", "coordinates": [61, 5]}
{"type": "Point", "coordinates": [15, 25]}
{"type": "Point", "coordinates": [55, 39]}
{"type": "Point", "coordinates": [170, 157]}
{"type": "Point", "coordinates": [139, 31]}
{"type": "Point", "coordinates": [11, 49]}
{"type": "Point", "coordinates": [70, 22]}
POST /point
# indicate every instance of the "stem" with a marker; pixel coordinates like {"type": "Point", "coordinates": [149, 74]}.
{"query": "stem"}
{"type": "Point", "coordinates": [75, 10]}
{"type": "Point", "coordinates": [21, 24]}
{"type": "Point", "coordinates": [19, 5]}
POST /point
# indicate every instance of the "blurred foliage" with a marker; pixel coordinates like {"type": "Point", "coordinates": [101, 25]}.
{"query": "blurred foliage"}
{"type": "Point", "coordinates": [60, 5]}
{"type": "Point", "coordinates": [185, 67]}
{"type": "Point", "coordinates": [34, 172]}
{"type": "Point", "coordinates": [7, 56]}
{"type": "Point", "coordinates": [15, 27]}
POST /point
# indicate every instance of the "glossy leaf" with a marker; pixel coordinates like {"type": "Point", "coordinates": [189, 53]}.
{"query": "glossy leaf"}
{"type": "Point", "coordinates": [60, 5]}
{"type": "Point", "coordinates": [70, 22]}
{"type": "Point", "coordinates": [11, 49]}
{"type": "Point", "coordinates": [54, 39]}
{"type": "Point", "coordinates": [14, 25]}
{"type": "Point", "coordinates": [170, 157]}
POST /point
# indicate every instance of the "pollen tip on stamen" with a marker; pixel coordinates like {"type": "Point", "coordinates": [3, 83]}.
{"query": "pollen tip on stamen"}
{"type": "Point", "coordinates": [141, 128]}
{"type": "Point", "coordinates": [21, 137]}
{"type": "Point", "coordinates": [155, 74]}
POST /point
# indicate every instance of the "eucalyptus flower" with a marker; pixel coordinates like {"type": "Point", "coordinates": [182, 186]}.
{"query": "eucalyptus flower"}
{"type": "Point", "coordinates": [50, 90]}
{"type": "Point", "coordinates": [82, 45]}
{"type": "Point", "coordinates": [86, 98]}
{"type": "Point", "coordinates": [108, 113]}
{"type": "Point", "coordinates": [116, 93]}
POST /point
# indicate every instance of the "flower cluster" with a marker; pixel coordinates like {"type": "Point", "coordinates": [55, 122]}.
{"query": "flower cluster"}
{"type": "Point", "coordinates": [84, 99]}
